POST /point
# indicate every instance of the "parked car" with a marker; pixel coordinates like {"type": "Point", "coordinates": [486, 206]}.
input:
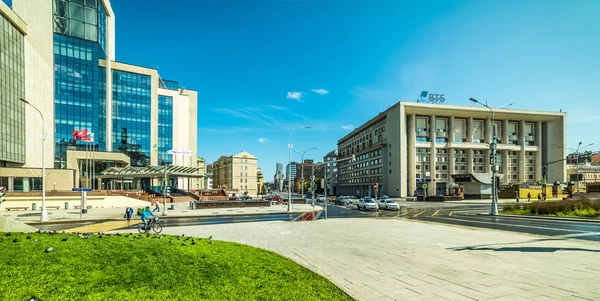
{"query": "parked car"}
{"type": "Point", "coordinates": [320, 198]}
{"type": "Point", "coordinates": [234, 198]}
{"type": "Point", "coordinates": [388, 204]}
{"type": "Point", "coordinates": [367, 204]}
{"type": "Point", "coordinates": [332, 198]}
{"type": "Point", "coordinates": [384, 197]}
{"type": "Point", "coordinates": [246, 198]}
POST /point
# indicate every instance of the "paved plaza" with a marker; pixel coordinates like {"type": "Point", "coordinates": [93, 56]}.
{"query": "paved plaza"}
{"type": "Point", "coordinates": [411, 260]}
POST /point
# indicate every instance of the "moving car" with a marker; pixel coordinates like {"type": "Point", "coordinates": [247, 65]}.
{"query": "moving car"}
{"type": "Point", "coordinates": [388, 204]}
{"type": "Point", "coordinates": [320, 198]}
{"type": "Point", "coordinates": [342, 200]}
{"type": "Point", "coordinates": [367, 203]}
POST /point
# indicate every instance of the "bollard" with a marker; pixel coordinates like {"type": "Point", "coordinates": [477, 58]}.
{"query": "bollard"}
{"type": "Point", "coordinates": [66, 205]}
{"type": "Point", "coordinates": [33, 206]}
{"type": "Point", "coordinates": [173, 206]}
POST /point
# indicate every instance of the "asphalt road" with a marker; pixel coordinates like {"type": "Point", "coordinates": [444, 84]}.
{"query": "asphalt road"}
{"type": "Point", "coordinates": [470, 215]}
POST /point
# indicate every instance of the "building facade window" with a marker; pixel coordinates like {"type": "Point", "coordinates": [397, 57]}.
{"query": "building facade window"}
{"type": "Point", "coordinates": [12, 88]}
{"type": "Point", "coordinates": [79, 95]}
{"type": "Point", "coordinates": [84, 19]}
{"type": "Point", "coordinates": [165, 128]}
{"type": "Point", "coordinates": [131, 108]}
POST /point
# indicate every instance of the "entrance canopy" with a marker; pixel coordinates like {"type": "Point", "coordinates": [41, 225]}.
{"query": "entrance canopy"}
{"type": "Point", "coordinates": [151, 172]}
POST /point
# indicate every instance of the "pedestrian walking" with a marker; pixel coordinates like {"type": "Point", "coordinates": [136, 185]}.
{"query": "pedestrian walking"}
{"type": "Point", "coordinates": [128, 213]}
{"type": "Point", "coordinates": [156, 208]}
{"type": "Point", "coordinates": [529, 197]}
{"type": "Point", "coordinates": [539, 197]}
{"type": "Point", "coordinates": [544, 197]}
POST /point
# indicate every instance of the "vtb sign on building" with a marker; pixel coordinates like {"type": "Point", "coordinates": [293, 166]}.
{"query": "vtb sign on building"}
{"type": "Point", "coordinates": [433, 98]}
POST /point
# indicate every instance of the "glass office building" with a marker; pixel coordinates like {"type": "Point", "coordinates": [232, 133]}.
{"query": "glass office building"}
{"type": "Point", "coordinates": [12, 88]}
{"type": "Point", "coordinates": [165, 128]}
{"type": "Point", "coordinates": [79, 82]}
{"type": "Point", "coordinates": [131, 104]}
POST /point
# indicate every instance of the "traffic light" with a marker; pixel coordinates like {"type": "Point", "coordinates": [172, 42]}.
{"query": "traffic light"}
{"type": "Point", "coordinates": [2, 194]}
{"type": "Point", "coordinates": [328, 183]}
{"type": "Point", "coordinates": [544, 171]}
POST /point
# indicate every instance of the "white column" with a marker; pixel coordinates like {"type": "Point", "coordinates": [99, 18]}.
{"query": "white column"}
{"type": "Point", "coordinates": [521, 133]}
{"type": "Point", "coordinates": [450, 132]}
{"type": "Point", "coordinates": [412, 181]}
{"type": "Point", "coordinates": [432, 134]}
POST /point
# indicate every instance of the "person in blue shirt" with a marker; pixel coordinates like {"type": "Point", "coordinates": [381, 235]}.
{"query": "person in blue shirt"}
{"type": "Point", "coordinates": [145, 217]}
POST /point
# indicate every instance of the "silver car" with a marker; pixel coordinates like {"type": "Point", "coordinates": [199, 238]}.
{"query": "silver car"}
{"type": "Point", "coordinates": [388, 204]}
{"type": "Point", "coordinates": [367, 204]}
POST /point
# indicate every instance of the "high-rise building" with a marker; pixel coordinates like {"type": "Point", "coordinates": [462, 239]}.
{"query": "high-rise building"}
{"type": "Point", "coordinates": [236, 173]}
{"type": "Point", "coordinates": [279, 177]}
{"type": "Point", "coordinates": [418, 148]}
{"type": "Point", "coordinates": [62, 76]}
{"type": "Point", "coordinates": [331, 171]}
{"type": "Point", "coordinates": [290, 170]}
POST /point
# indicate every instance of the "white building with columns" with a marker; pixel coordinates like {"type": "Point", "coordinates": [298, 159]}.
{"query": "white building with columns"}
{"type": "Point", "coordinates": [414, 143]}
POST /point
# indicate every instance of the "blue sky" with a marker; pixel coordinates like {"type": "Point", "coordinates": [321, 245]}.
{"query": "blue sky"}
{"type": "Point", "coordinates": [247, 59]}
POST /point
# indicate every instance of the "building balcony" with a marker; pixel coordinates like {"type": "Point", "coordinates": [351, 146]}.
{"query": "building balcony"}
{"type": "Point", "coordinates": [422, 134]}
{"type": "Point", "coordinates": [529, 138]}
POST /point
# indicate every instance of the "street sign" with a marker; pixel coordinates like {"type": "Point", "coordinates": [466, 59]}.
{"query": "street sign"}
{"type": "Point", "coordinates": [424, 186]}
{"type": "Point", "coordinates": [375, 186]}
{"type": "Point", "coordinates": [81, 189]}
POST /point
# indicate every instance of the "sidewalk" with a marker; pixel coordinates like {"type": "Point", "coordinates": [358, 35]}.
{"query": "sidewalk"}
{"type": "Point", "coordinates": [116, 213]}
{"type": "Point", "coordinates": [409, 260]}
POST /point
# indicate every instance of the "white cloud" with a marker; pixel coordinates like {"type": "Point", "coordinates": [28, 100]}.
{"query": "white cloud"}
{"type": "Point", "coordinates": [262, 140]}
{"type": "Point", "coordinates": [320, 91]}
{"type": "Point", "coordinates": [295, 95]}
{"type": "Point", "coordinates": [348, 127]}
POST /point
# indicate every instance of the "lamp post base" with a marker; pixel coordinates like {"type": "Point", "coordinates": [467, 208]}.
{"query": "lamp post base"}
{"type": "Point", "coordinates": [494, 210]}
{"type": "Point", "coordinates": [44, 217]}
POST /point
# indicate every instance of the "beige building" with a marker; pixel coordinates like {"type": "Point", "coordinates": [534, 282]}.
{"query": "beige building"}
{"type": "Point", "coordinates": [589, 174]}
{"type": "Point", "coordinates": [260, 181]}
{"type": "Point", "coordinates": [236, 173]}
{"type": "Point", "coordinates": [410, 144]}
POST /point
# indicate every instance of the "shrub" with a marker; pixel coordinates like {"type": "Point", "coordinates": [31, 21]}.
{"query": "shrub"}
{"type": "Point", "coordinates": [582, 207]}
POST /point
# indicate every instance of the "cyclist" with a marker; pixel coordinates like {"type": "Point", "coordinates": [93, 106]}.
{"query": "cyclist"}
{"type": "Point", "coordinates": [146, 219]}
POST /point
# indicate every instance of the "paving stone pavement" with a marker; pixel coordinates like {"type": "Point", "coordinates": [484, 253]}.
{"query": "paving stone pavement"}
{"type": "Point", "coordinates": [411, 260]}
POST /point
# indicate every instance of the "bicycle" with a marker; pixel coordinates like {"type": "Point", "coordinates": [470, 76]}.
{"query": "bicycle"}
{"type": "Point", "coordinates": [152, 224]}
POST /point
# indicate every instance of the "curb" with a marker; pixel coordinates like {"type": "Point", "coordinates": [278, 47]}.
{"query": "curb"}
{"type": "Point", "coordinates": [33, 223]}
{"type": "Point", "coordinates": [583, 220]}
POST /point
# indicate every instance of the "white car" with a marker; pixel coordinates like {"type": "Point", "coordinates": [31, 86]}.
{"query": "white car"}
{"type": "Point", "coordinates": [320, 198]}
{"type": "Point", "coordinates": [367, 204]}
{"type": "Point", "coordinates": [388, 204]}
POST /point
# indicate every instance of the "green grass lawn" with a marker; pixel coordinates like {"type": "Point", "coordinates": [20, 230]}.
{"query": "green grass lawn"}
{"type": "Point", "coordinates": [132, 268]}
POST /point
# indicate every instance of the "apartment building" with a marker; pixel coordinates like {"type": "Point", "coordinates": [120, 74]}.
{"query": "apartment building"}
{"type": "Point", "coordinates": [331, 171]}
{"type": "Point", "coordinates": [236, 172]}
{"type": "Point", "coordinates": [411, 144]}
{"type": "Point", "coordinates": [290, 170]}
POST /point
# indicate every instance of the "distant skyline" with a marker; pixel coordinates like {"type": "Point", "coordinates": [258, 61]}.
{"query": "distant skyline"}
{"type": "Point", "coordinates": [262, 68]}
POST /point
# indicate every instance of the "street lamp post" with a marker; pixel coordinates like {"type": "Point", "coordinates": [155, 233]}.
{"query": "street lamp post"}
{"type": "Point", "coordinates": [302, 176]}
{"type": "Point", "coordinates": [290, 146]}
{"type": "Point", "coordinates": [577, 162]}
{"type": "Point", "coordinates": [493, 144]}
{"type": "Point", "coordinates": [44, 216]}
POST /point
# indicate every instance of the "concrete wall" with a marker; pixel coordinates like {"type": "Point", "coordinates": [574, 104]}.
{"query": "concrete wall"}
{"type": "Point", "coordinates": [39, 80]}
{"type": "Point", "coordinates": [56, 179]}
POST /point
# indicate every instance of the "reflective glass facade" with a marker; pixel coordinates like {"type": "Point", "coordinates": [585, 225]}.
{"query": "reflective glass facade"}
{"type": "Point", "coordinates": [168, 84]}
{"type": "Point", "coordinates": [79, 100]}
{"type": "Point", "coordinates": [131, 116]}
{"type": "Point", "coordinates": [79, 18]}
{"type": "Point", "coordinates": [79, 83]}
{"type": "Point", "coordinates": [165, 128]}
{"type": "Point", "coordinates": [12, 88]}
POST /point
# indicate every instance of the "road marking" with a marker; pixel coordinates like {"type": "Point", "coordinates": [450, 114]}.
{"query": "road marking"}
{"type": "Point", "coordinates": [435, 213]}
{"type": "Point", "coordinates": [518, 226]}
{"type": "Point", "coordinates": [450, 214]}
{"type": "Point", "coordinates": [420, 213]}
